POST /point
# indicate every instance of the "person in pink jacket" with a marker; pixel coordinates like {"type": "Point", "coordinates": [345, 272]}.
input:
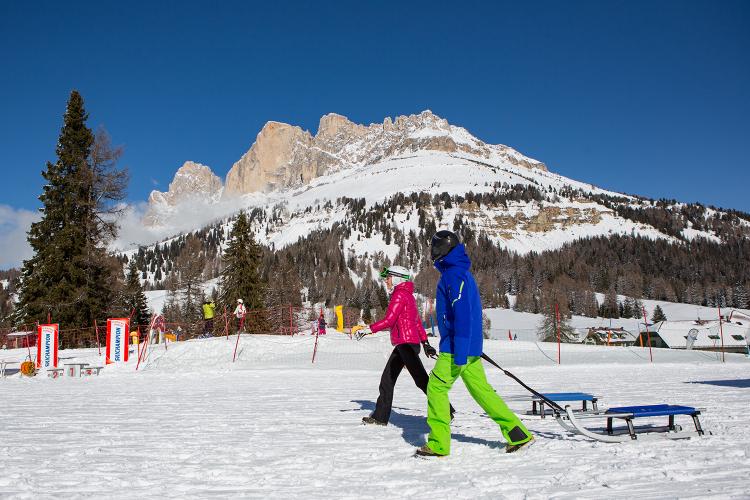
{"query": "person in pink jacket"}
{"type": "Point", "coordinates": [407, 333]}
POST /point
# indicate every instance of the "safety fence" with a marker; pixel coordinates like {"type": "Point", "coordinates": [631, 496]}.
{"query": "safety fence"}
{"type": "Point", "coordinates": [280, 320]}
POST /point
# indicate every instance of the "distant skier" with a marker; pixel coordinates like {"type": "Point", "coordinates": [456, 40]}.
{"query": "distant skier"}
{"type": "Point", "coordinates": [321, 324]}
{"type": "Point", "coordinates": [239, 314]}
{"type": "Point", "coordinates": [208, 317]}
{"type": "Point", "coordinates": [407, 333]}
{"type": "Point", "coordinates": [459, 313]}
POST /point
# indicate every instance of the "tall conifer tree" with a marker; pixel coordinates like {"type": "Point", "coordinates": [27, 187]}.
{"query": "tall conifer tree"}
{"type": "Point", "coordinates": [241, 278]}
{"type": "Point", "coordinates": [69, 278]}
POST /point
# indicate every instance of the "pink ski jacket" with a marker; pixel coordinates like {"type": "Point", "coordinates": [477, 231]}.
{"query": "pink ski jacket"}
{"type": "Point", "coordinates": [402, 317]}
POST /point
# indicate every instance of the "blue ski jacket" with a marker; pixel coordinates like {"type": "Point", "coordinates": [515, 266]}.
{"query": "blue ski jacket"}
{"type": "Point", "coordinates": [458, 307]}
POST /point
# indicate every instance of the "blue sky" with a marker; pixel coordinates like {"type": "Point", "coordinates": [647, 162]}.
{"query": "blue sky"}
{"type": "Point", "coordinates": [642, 97]}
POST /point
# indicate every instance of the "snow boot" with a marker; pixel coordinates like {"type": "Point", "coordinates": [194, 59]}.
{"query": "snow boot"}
{"type": "Point", "coordinates": [512, 448]}
{"type": "Point", "coordinates": [370, 420]}
{"type": "Point", "coordinates": [426, 452]}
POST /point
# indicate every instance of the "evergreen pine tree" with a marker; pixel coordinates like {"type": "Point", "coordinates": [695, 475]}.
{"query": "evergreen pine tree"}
{"type": "Point", "coordinates": [740, 296]}
{"type": "Point", "coordinates": [240, 278]}
{"type": "Point", "coordinates": [69, 276]}
{"type": "Point", "coordinates": [135, 299]}
{"type": "Point", "coordinates": [547, 330]}
{"type": "Point", "coordinates": [658, 315]}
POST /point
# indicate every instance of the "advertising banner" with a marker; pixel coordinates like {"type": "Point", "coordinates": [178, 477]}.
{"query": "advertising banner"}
{"type": "Point", "coordinates": [47, 344]}
{"type": "Point", "coordinates": [118, 330]}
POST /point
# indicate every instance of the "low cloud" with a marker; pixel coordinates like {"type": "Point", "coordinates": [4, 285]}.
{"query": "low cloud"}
{"type": "Point", "coordinates": [185, 217]}
{"type": "Point", "coordinates": [189, 216]}
{"type": "Point", "coordinates": [14, 224]}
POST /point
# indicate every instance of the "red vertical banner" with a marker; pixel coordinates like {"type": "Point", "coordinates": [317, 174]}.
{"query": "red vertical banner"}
{"type": "Point", "coordinates": [118, 340]}
{"type": "Point", "coordinates": [557, 316]}
{"type": "Point", "coordinates": [47, 344]}
{"type": "Point", "coordinates": [721, 332]}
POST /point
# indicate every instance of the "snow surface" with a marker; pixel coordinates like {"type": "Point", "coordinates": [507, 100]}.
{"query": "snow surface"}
{"type": "Point", "coordinates": [190, 423]}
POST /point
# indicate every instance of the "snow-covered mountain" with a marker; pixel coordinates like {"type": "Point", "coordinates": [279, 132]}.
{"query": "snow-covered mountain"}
{"type": "Point", "coordinates": [285, 156]}
{"type": "Point", "coordinates": [304, 177]}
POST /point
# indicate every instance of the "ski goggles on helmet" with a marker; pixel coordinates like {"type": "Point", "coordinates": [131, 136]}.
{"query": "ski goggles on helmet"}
{"type": "Point", "coordinates": [387, 272]}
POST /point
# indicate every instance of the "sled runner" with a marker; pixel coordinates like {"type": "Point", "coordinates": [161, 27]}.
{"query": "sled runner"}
{"type": "Point", "coordinates": [570, 419]}
{"type": "Point", "coordinates": [572, 422]}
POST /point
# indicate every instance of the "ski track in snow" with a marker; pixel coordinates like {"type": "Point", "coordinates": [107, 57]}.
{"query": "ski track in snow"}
{"type": "Point", "coordinates": [192, 424]}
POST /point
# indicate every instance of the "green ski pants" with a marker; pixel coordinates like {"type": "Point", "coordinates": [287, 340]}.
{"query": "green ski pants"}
{"type": "Point", "coordinates": [442, 377]}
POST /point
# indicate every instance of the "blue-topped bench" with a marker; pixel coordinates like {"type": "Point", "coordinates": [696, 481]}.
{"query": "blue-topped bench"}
{"type": "Point", "coordinates": [628, 413]}
{"type": "Point", "coordinates": [563, 396]}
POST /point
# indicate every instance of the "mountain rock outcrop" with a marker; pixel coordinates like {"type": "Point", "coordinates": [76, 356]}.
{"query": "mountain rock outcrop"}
{"type": "Point", "coordinates": [284, 155]}
{"type": "Point", "coordinates": [192, 182]}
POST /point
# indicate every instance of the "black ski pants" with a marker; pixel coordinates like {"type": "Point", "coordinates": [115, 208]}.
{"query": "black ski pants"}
{"type": "Point", "coordinates": [403, 355]}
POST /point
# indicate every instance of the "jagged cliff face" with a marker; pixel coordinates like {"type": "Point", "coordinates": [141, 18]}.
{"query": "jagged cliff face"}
{"type": "Point", "coordinates": [285, 155]}
{"type": "Point", "coordinates": [192, 181]}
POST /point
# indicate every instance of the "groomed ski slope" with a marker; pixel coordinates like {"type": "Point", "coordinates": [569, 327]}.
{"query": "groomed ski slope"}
{"type": "Point", "coordinates": [190, 423]}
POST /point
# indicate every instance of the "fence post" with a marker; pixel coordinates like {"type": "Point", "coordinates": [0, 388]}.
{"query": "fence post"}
{"type": "Point", "coordinates": [226, 323]}
{"type": "Point", "coordinates": [291, 320]}
{"type": "Point", "coordinates": [98, 344]}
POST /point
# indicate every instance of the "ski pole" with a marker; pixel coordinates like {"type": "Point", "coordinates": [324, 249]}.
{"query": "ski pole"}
{"type": "Point", "coordinates": [551, 403]}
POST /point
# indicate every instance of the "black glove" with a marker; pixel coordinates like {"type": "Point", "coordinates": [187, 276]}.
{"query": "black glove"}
{"type": "Point", "coordinates": [429, 351]}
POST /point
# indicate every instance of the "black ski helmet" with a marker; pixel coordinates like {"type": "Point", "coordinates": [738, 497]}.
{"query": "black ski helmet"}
{"type": "Point", "coordinates": [442, 243]}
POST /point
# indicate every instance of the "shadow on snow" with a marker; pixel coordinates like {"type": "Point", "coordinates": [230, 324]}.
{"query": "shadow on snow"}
{"type": "Point", "coordinates": [414, 428]}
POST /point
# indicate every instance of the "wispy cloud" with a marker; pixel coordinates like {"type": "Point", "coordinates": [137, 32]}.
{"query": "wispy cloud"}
{"type": "Point", "coordinates": [187, 216]}
{"type": "Point", "coordinates": [14, 224]}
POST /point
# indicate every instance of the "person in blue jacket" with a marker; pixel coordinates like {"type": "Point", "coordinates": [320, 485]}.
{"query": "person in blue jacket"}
{"type": "Point", "coordinates": [459, 317]}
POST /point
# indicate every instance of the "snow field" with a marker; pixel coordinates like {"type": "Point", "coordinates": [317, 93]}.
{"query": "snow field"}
{"type": "Point", "coordinates": [192, 424]}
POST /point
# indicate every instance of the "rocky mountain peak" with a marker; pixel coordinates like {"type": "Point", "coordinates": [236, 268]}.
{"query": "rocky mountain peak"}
{"type": "Point", "coordinates": [285, 155]}
{"type": "Point", "coordinates": [193, 181]}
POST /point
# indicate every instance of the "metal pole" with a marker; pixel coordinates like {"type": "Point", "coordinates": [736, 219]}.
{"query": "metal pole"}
{"type": "Point", "coordinates": [239, 331]}
{"type": "Point", "coordinates": [721, 332]}
{"type": "Point", "coordinates": [315, 348]}
{"type": "Point", "coordinates": [648, 334]}
{"type": "Point", "coordinates": [557, 315]}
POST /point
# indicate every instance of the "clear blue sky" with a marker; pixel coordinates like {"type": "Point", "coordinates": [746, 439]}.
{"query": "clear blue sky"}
{"type": "Point", "coordinates": [651, 98]}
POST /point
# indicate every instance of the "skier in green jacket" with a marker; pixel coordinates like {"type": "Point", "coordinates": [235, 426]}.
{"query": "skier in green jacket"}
{"type": "Point", "coordinates": [209, 309]}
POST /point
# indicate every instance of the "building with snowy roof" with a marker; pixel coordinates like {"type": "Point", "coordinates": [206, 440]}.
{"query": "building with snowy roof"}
{"type": "Point", "coordinates": [608, 336]}
{"type": "Point", "coordinates": [705, 335]}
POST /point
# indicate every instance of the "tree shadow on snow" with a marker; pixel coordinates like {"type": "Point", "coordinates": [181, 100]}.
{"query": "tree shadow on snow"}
{"type": "Point", "coordinates": [414, 428]}
{"type": "Point", "coordinates": [742, 383]}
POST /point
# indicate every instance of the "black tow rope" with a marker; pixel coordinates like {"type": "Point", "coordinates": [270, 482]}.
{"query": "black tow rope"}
{"type": "Point", "coordinates": [551, 403]}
